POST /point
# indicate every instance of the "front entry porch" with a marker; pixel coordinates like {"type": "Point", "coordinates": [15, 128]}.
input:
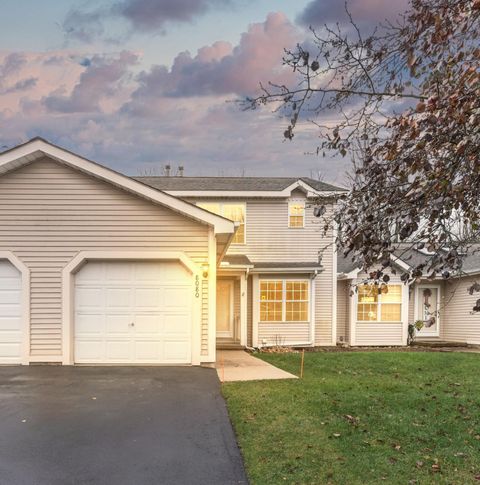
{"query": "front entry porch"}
{"type": "Point", "coordinates": [231, 311]}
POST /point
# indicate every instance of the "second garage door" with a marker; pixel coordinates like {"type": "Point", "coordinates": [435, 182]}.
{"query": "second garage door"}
{"type": "Point", "coordinates": [133, 312]}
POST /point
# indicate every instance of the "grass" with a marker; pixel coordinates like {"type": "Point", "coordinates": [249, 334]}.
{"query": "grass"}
{"type": "Point", "coordinates": [362, 418]}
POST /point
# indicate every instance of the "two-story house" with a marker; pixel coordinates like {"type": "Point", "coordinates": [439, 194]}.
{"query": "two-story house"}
{"type": "Point", "coordinates": [100, 268]}
{"type": "Point", "coordinates": [276, 284]}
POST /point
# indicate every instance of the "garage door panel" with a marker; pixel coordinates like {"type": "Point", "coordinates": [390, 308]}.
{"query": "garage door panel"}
{"type": "Point", "coordinates": [10, 352]}
{"type": "Point", "coordinates": [119, 350]}
{"type": "Point", "coordinates": [88, 298]}
{"type": "Point", "coordinates": [11, 331]}
{"type": "Point", "coordinates": [177, 325]}
{"type": "Point", "coordinates": [148, 350]}
{"type": "Point", "coordinates": [118, 298]}
{"type": "Point", "coordinates": [155, 297]}
{"type": "Point", "coordinates": [147, 298]}
{"type": "Point", "coordinates": [118, 325]}
{"type": "Point", "coordinates": [10, 324]}
{"type": "Point", "coordinates": [176, 297]}
{"type": "Point", "coordinates": [91, 350]}
{"type": "Point", "coordinates": [90, 274]}
{"type": "Point", "coordinates": [148, 324]}
{"type": "Point", "coordinates": [11, 297]}
{"type": "Point", "coordinates": [118, 273]}
{"type": "Point", "coordinates": [90, 324]}
{"type": "Point", "coordinates": [176, 351]}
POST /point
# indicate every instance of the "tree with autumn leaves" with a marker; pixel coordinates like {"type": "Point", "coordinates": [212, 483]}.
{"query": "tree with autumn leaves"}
{"type": "Point", "coordinates": [406, 105]}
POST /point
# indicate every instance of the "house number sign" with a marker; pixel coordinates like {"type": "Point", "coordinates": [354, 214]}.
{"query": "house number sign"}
{"type": "Point", "coordinates": [197, 286]}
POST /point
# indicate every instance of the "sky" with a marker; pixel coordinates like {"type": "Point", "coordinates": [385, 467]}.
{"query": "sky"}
{"type": "Point", "coordinates": [137, 84]}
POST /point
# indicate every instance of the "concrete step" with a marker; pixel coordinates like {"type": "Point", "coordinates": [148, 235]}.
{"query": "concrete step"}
{"type": "Point", "coordinates": [438, 343]}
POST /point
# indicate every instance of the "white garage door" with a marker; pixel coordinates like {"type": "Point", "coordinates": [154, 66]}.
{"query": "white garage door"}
{"type": "Point", "coordinates": [10, 314]}
{"type": "Point", "coordinates": [133, 312]}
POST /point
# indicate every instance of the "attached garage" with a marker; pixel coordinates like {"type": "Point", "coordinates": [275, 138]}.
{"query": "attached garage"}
{"type": "Point", "coordinates": [11, 323]}
{"type": "Point", "coordinates": [98, 268]}
{"type": "Point", "coordinates": [133, 313]}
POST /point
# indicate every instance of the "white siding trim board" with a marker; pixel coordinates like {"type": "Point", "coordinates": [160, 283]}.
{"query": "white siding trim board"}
{"type": "Point", "coordinates": [25, 303]}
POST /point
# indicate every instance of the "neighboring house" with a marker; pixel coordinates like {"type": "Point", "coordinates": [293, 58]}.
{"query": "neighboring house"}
{"type": "Point", "coordinates": [444, 305]}
{"type": "Point", "coordinates": [99, 268]}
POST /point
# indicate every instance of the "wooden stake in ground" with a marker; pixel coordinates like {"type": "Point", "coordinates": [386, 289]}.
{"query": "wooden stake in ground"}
{"type": "Point", "coordinates": [301, 365]}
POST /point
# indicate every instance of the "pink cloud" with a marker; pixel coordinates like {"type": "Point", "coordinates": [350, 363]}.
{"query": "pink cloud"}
{"type": "Point", "coordinates": [221, 70]}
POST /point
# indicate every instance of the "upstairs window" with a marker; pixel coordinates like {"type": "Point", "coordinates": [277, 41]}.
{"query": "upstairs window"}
{"type": "Point", "coordinates": [296, 214]}
{"type": "Point", "coordinates": [383, 307]}
{"type": "Point", "coordinates": [234, 211]}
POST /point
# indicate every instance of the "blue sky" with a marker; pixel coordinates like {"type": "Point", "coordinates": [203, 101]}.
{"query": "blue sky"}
{"type": "Point", "coordinates": [135, 84]}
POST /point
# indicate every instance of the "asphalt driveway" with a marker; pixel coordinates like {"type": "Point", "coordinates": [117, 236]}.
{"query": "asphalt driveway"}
{"type": "Point", "coordinates": [115, 425]}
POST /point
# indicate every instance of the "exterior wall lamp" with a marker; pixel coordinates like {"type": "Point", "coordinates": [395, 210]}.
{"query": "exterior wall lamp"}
{"type": "Point", "coordinates": [205, 268]}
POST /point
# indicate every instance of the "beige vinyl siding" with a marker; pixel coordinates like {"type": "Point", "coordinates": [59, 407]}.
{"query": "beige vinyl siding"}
{"type": "Point", "coordinates": [283, 333]}
{"type": "Point", "coordinates": [269, 239]}
{"type": "Point", "coordinates": [379, 334]}
{"type": "Point", "coordinates": [343, 327]}
{"type": "Point", "coordinates": [457, 321]}
{"type": "Point", "coordinates": [49, 212]}
{"type": "Point", "coordinates": [325, 286]}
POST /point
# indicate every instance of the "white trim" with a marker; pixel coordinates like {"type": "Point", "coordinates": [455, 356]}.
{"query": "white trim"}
{"type": "Point", "coordinates": [212, 299]}
{"type": "Point", "coordinates": [415, 307]}
{"type": "Point", "coordinates": [405, 309]}
{"type": "Point", "coordinates": [312, 311]}
{"type": "Point", "coordinates": [353, 316]}
{"type": "Point", "coordinates": [255, 309]}
{"type": "Point", "coordinates": [34, 149]}
{"type": "Point", "coordinates": [334, 287]}
{"type": "Point", "coordinates": [304, 270]}
{"type": "Point", "coordinates": [25, 303]}
{"type": "Point", "coordinates": [68, 285]}
{"type": "Point", "coordinates": [243, 309]}
{"type": "Point", "coordinates": [230, 334]}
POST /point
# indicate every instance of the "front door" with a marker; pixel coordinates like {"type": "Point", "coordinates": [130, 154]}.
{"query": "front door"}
{"type": "Point", "coordinates": [428, 310]}
{"type": "Point", "coordinates": [225, 309]}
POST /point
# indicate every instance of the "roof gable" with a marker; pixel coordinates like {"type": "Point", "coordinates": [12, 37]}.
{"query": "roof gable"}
{"type": "Point", "coordinates": [37, 148]}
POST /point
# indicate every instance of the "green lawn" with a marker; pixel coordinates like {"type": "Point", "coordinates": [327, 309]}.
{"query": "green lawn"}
{"type": "Point", "coordinates": [362, 417]}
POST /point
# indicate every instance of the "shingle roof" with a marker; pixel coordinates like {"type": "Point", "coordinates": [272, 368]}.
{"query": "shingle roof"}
{"type": "Point", "coordinates": [233, 183]}
{"type": "Point", "coordinates": [237, 259]}
{"type": "Point", "coordinates": [413, 257]}
{"type": "Point", "coordinates": [345, 265]}
{"type": "Point", "coordinates": [293, 265]}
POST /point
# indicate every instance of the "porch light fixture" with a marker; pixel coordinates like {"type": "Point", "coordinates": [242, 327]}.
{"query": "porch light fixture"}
{"type": "Point", "coordinates": [205, 270]}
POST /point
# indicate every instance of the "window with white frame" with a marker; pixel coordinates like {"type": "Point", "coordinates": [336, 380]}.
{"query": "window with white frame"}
{"type": "Point", "coordinates": [284, 300]}
{"type": "Point", "coordinates": [379, 303]}
{"type": "Point", "coordinates": [233, 211]}
{"type": "Point", "coordinates": [296, 214]}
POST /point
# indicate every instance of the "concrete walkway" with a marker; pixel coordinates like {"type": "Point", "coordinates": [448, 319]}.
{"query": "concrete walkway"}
{"type": "Point", "coordinates": [237, 365]}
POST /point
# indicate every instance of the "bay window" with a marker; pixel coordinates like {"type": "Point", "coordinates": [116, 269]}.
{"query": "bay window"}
{"type": "Point", "coordinates": [284, 300]}
{"type": "Point", "coordinates": [379, 306]}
